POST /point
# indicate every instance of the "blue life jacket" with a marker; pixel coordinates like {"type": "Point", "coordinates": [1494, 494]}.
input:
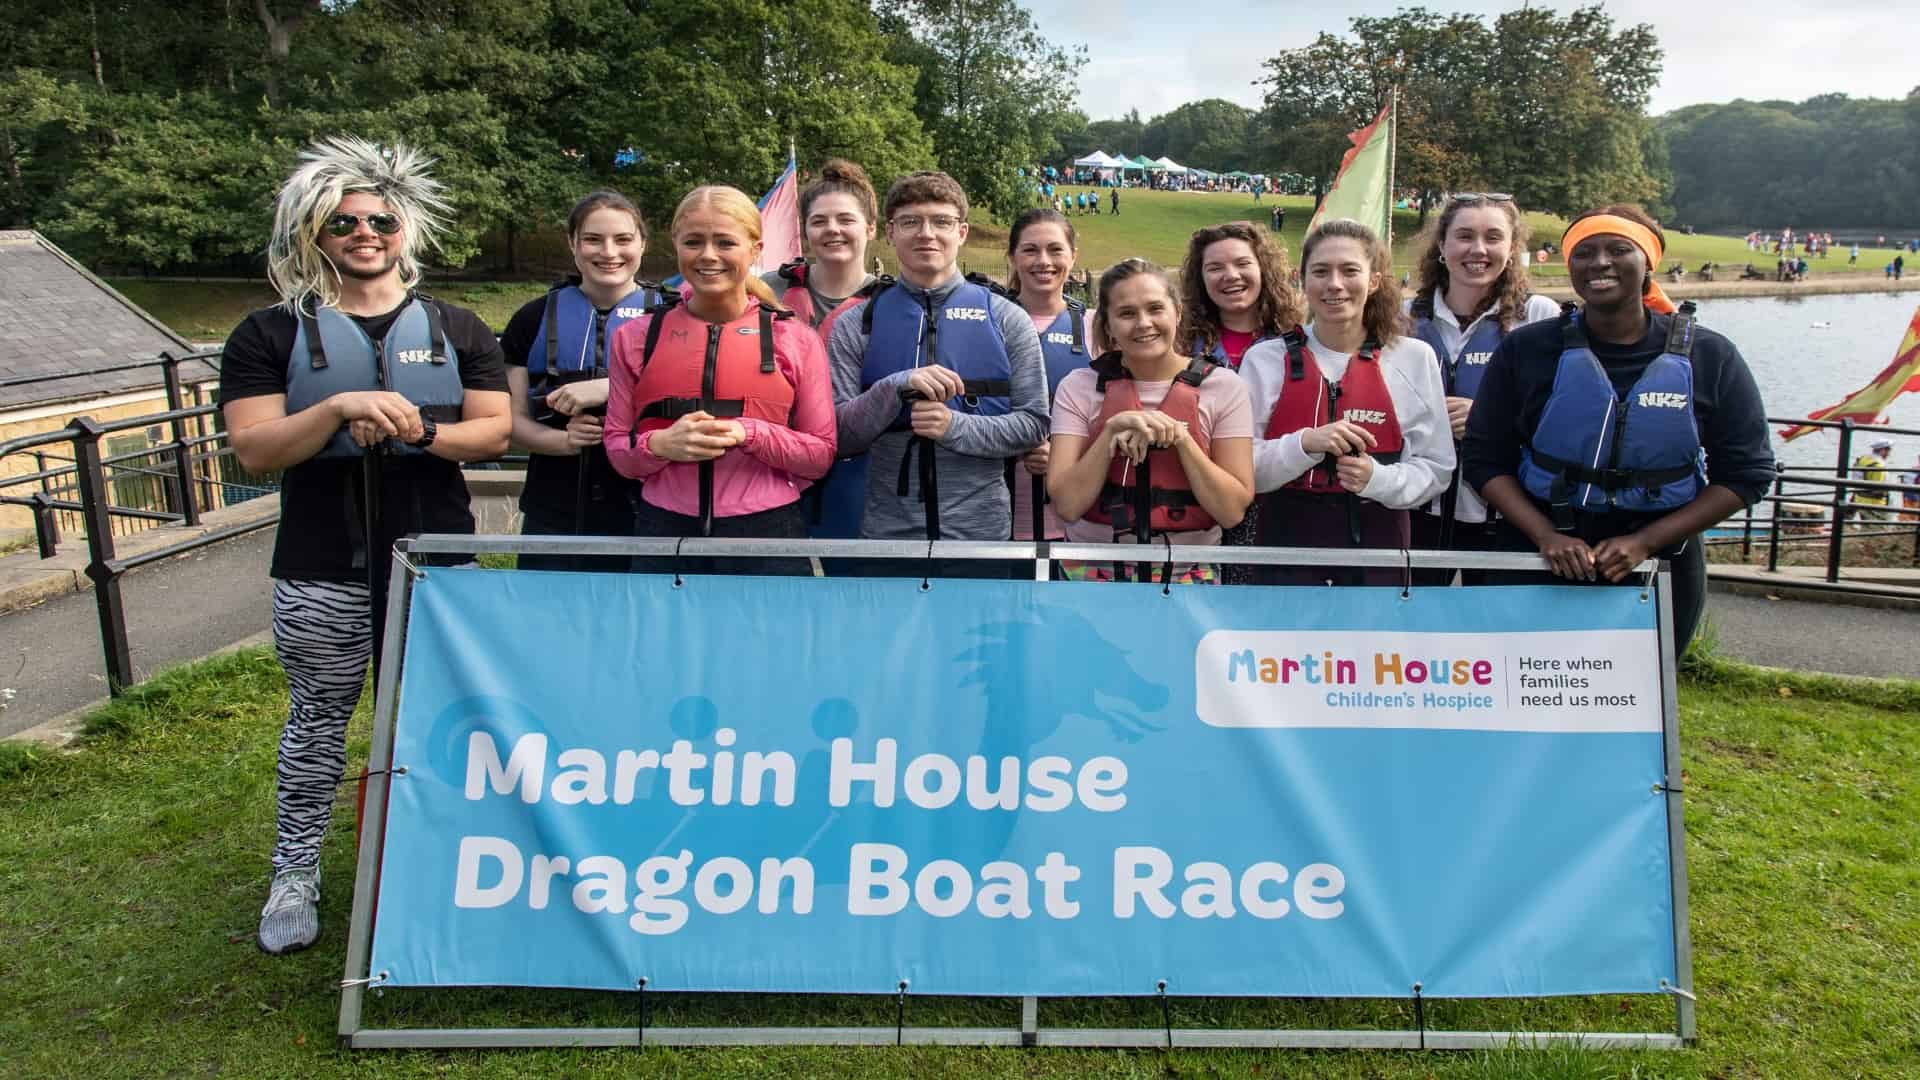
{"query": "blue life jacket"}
{"type": "Point", "coordinates": [1594, 450]}
{"type": "Point", "coordinates": [1462, 371]}
{"type": "Point", "coordinates": [1063, 344]}
{"type": "Point", "coordinates": [906, 332]}
{"type": "Point", "coordinates": [332, 355]}
{"type": "Point", "coordinates": [962, 336]}
{"type": "Point", "coordinates": [573, 341]}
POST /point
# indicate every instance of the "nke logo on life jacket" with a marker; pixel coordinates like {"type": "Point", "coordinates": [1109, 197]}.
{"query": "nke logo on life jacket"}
{"type": "Point", "coordinates": [1652, 400]}
{"type": "Point", "coordinates": [414, 356]}
{"type": "Point", "coordinates": [747, 331]}
{"type": "Point", "coordinates": [1365, 416]}
{"type": "Point", "coordinates": [967, 314]}
{"type": "Point", "coordinates": [1059, 339]}
{"type": "Point", "coordinates": [629, 312]}
{"type": "Point", "coordinates": [1475, 359]}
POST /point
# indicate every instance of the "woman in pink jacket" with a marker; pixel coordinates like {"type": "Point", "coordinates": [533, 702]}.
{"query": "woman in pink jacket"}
{"type": "Point", "coordinates": [720, 401]}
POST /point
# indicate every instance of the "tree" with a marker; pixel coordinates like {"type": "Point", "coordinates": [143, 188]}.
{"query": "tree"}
{"type": "Point", "coordinates": [1827, 161]}
{"type": "Point", "coordinates": [1210, 134]}
{"type": "Point", "coordinates": [989, 88]}
{"type": "Point", "coordinates": [1126, 135]}
{"type": "Point", "coordinates": [1548, 107]}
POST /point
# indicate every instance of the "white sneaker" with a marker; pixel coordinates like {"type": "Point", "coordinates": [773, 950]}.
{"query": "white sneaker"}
{"type": "Point", "coordinates": [291, 920]}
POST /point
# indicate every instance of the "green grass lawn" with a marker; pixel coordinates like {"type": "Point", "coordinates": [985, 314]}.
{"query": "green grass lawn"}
{"type": "Point", "coordinates": [1152, 225]}
{"type": "Point", "coordinates": [132, 870]}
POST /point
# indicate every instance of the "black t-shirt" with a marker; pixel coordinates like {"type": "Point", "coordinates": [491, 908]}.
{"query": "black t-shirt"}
{"type": "Point", "coordinates": [1519, 379]}
{"type": "Point", "coordinates": [552, 487]}
{"type": "Point", "coordinates": [321, 499]}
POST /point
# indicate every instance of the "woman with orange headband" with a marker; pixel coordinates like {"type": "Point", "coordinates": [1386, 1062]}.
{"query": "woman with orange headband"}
{"type": "Point", "coordinates": [1621, 430]}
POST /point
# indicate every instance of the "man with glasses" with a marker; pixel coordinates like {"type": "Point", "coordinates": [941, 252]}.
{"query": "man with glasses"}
{"type": "Point", "coordinates": [942, 379]}
{"type": "Point", "coordinates": [366, 395]}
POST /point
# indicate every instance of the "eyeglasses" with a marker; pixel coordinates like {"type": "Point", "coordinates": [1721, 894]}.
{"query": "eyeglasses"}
{"type": "Point", "coordinates": [384, 223]}
{"type": "Point", "coordinates": [912, 223]}
{"type": "Point", "coordinates": [1479, 196]}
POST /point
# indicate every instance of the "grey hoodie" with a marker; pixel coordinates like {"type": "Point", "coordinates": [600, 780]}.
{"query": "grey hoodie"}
{"type": "Point", "coordinates": [971, 459]}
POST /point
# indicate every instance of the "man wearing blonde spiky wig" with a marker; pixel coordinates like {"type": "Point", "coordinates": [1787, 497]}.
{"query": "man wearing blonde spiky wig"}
{"type": "Point", "coordinates": [366, 395]}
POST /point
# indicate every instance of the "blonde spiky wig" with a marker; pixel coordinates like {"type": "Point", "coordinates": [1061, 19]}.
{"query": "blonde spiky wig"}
{"type": "Point", "coordinates": [330, 170]}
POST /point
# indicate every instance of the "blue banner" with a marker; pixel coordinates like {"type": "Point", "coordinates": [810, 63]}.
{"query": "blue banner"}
{"type": "Point", "coordinates": [1056, 788]}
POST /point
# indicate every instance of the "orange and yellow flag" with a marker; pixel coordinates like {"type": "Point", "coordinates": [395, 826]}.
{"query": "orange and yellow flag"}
{"type": "Point", "coordinates": [1865, 405]}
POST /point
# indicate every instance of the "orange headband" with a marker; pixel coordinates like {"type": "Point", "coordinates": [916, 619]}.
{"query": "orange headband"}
{"type": "Point", "coordinates": [1642, 237]}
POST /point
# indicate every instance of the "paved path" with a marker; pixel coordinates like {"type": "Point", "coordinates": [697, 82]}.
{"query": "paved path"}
{"type": "Point", "coordinates": [1838, 638]}
{"type": "Point", "coordinates": [177, 610]}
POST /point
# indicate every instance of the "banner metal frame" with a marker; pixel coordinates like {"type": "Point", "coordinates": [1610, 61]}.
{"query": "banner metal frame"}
{"type": "Point", "coordinates": [1656, 584]}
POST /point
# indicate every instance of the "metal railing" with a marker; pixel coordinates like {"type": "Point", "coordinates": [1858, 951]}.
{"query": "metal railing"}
{"type": "Point", "coordinates": [106, 494]}
{"type": "Point", "coordinates": [1836, 492]}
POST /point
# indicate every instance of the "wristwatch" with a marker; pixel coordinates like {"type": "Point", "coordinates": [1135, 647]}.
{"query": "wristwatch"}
{"type": "Point", "coordinates": [428, 429]}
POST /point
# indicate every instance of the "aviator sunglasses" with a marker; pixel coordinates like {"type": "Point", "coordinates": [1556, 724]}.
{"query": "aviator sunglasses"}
{"type": "Point", "coordinates": [1479, 196]}
{"type": "Point", "coordinates": [384, 223]}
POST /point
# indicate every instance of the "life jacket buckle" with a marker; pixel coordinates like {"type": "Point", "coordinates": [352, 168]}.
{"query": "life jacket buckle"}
{"type": "Point", "coordinates": [971, 401]}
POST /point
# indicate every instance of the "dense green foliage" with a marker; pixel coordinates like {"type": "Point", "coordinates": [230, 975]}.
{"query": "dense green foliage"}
{"type": "Point", "coordinates": [151, 135]}
{"type": "Point", "coordinates": [1549, 107]}
{"type": "Point", "coordinates": [1825, 162]}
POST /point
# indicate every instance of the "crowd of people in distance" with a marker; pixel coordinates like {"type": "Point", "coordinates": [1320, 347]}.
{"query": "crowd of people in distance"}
{"type": "Point", "coordinates": [1223, 405]}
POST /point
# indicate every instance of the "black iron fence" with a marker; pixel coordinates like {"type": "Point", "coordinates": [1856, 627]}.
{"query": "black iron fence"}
{"type": "Point", "coordinates": [84, 480]}
{"type": "Point", "coordinates": [1822, 505]}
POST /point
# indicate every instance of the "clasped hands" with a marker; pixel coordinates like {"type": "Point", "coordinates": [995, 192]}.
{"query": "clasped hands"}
{"type": "Point", "coordinates": [1137, 432]}
{"type": "Point", "coordinates": [1348, 442]}
{"type": "Point", "coordinates": [926, 392]}
{"type": "Point", "coordinates": [374, 416]}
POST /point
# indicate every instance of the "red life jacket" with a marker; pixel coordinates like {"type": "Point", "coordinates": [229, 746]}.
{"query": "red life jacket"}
{"type": "Point", "coordinates": [1157, 489]}
{"type": "Point", "coordinates": [691, 365]}
{"type": "Point", "coordinates": [799, 299]}
{"type": "Point", "coordinates": [1307, 400]}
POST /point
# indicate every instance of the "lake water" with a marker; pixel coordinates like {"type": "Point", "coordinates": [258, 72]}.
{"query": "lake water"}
{"type": "Point", "coordinates": [1801, 368]}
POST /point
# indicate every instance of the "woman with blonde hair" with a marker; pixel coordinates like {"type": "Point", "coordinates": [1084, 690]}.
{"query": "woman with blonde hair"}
{"type": "Point", "coordinates": [1473, 290]}
{"type": "Point", "coordinates": [721, 403]}
{"type": "Point", "coordinates": [1352, 418]}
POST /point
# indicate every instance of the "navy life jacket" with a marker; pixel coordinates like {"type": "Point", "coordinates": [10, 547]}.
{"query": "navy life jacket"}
{"type": "Point", "coordinates": [1594, 450]}
{"type": "Point", "coordinates": [1460, 371]}
{"type": "Point", "coordinates": [332, 355]}
{"type": "Point", "coordinates": [573, 341]}
{"type": "Point", "coordinates": [905, 332]}
{"type": "Point", "coordinates": [1063, 344]}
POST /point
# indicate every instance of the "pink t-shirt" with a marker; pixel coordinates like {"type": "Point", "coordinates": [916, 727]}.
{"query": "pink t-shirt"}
{"type": "Point", "coordinates": [1226, 412]}
{"type": "Point", "coordinates": [1235, 344]}
{"type": "Point", "coordinates": [770, 469]}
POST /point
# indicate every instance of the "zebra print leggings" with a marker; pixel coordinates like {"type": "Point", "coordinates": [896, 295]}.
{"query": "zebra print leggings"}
{"type": "Point", "coordinates": [323, 634]}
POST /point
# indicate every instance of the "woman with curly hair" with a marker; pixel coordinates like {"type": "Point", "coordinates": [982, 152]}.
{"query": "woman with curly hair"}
{"type": "Point", "coordinates": [1350, 420]}
{"type": "Point", "coordinates": [1473, 290]}
{"type": "Point", "coordinates": [1234, 293]}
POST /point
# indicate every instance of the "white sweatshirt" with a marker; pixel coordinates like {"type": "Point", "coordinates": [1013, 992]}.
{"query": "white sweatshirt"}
{"type": "Point", "coordinates": [1419, 402]}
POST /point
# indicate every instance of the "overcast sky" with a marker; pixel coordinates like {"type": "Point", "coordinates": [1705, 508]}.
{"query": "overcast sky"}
{"type": "Point", "coordinates": [1157, 55]}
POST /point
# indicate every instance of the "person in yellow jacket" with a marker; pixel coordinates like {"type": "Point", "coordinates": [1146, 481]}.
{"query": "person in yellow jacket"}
{"type": "Point", "coordinates": [1872, 467]}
